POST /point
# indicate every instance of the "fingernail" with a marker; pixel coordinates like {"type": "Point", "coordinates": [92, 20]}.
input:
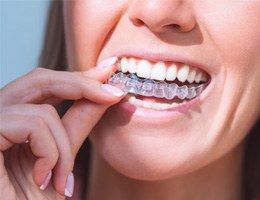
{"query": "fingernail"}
{"type": "Point", "coordinates": [112, 90]}
{"type": "Point", "coordinates": [107, 62]}
{"type": "Point", "coordinates": [69, 185]}
{"type": "Point", "coordinates": [46, 181]}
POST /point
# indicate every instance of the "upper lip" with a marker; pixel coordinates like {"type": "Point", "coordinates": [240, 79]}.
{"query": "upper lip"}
{"type": "Point", "coordinates": [170, 57]}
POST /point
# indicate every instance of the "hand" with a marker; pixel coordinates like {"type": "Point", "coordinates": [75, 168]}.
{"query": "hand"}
{"type": "Point", "coordinates": [28, 113]}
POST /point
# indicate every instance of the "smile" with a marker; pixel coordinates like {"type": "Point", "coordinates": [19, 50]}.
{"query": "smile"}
{"type": "Point", "coordinates": [158, 85]}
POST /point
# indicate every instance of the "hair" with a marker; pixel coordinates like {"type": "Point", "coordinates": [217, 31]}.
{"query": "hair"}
{"type": "Point", "coordinates": [53, 56]}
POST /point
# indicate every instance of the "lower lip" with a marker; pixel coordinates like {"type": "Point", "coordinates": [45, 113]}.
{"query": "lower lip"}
{"type": "Point", "coordinates": [125, 109]}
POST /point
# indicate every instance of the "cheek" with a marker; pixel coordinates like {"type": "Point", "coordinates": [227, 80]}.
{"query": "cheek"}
{"type": "Point", "coordinates": [87, 27]}
{"type": "Point", "coordinates": [234, 28]}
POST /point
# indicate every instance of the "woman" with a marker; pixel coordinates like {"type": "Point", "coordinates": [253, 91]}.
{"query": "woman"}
{"type": "Point", "coordinates": [183, 131]}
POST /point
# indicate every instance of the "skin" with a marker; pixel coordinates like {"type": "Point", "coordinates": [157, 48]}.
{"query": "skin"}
{"type": "Point", "coordinates": [205, 31]}
{"type": "Point", "coordinates": [28, 113]}
{"type": "Point", "coordinates": [181, 158]}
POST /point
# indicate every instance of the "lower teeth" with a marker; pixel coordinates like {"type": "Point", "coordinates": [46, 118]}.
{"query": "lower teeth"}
{"type": "Point", "coordinates": [154, 105]}
{"type": "Point", "coordinates": [132, 84]}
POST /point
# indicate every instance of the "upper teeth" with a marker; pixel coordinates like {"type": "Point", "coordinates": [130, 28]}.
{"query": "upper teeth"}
{"type": "Point", "coordinates": [161, 71]}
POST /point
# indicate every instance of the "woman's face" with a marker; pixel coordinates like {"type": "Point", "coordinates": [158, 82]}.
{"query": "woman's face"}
{"type": "Point", "coordinates": [218, 38]}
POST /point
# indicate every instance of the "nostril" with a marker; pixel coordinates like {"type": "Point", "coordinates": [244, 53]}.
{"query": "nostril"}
{"type": "Point", "coordinates": [138, 22]}
{"type": "Point", "coordinates": [175, 26]}
{"type": "Point", "coordinates": [178, 28]}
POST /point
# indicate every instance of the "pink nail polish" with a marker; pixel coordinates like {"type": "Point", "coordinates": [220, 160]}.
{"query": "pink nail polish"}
{"type": "Point", "coordinates": [108, 62]}
{"type": "Point", "coordinates": [112, 90]}
{"type": "Point", "coordinates": [69, 185]}
{"type": "Point", "coordinates": [46, 181]}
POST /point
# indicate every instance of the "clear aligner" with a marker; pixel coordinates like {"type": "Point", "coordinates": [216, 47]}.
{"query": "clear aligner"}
{"type": "Point", "coordinates": [146, 87]}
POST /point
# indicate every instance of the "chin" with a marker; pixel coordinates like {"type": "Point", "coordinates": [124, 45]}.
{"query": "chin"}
{"type": "Point", "coordinates": [167, 125]}
{"type": "Point", "coordinates": [146, 151]}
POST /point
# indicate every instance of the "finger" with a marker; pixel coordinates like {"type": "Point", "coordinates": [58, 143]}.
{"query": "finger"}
{"type": "Point", "coordinates": [5, 182]}
{"type": "Point", "coordinates": [80, 119]}
{"type": "Point", "coordinates": [16, 129]}
{"type": "Point", "coordinates": [50, 116]}
{"type": "Point", "coordinates": [101, 73]}
{"type": "Point", "coordinates": [42, 84]}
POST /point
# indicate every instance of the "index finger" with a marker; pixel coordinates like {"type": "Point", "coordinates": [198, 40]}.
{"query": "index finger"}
{"type": "Point", "coordinates": [42, 84]}
{"type": "Point", "coordinates": [80, 119]}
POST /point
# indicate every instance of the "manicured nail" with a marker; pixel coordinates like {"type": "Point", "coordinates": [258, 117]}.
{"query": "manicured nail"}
{"type": "Point", "coordinates": [46, 181]}
{"type": "Point", "coordinates": [112, 90]}
{"type": "Point", "coordinates": [69, 185]}
{"type": "Point", "coordinates": [108, 62]}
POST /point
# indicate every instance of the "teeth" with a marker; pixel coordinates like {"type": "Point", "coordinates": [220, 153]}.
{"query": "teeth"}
{"type": "Point", "coordinates": [183, 73]}
{"type": "Point", "coordinates": [204, 77]}
{"type": "Point", "coordinates": [147, 104]}
{"type": "Point", "coordinates": [171, 73]}
{"type": "Point", "coordinates": [124, 65]}
{"type": "Point", "coordinates": [158, 71]}
{"type": "Point", "coordinates": [154, 105]}
{"type": "Point", "coordinates": [119, 66]}
{"type": "Point", "coordinates": [131, 99]}
{"type": "Point", "coordinates": [182, 92]}
{"type": "Point", "coordinates": [191, 76]}
{"type": "Point", "coordinates": [132, 66]}
{"type": "Point", "coordinates": [174, 105]}
{"type": "Point", "coordinates": [144, 69]}
{"type": "Point", "coordinates": [165, 106]}
{"type": "Point", "coordinates": [198, 77]}
{"type": "Point", "coordinates": [138, 102]}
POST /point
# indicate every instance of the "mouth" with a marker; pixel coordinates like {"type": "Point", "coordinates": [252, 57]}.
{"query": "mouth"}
{"type": "Point", "coordinates": [161, 85]}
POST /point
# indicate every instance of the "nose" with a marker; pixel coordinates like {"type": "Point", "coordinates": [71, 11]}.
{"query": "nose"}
{"type": "Point", "coordinates": [162, 15]}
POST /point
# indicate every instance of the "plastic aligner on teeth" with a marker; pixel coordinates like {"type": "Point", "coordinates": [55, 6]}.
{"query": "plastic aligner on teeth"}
{"type": "Point", "coordinates": [171, 91]}
{"type": "Point", "coordinates": [147, 87]}
{"type": "Point", "coordinates": [132, 84]}
{"type": "Point", "coordinates": [182, 92]}
{"type": "Point", "coordinates": [158, 89]}
{"type": "Point", "coordinates": [191, 93]}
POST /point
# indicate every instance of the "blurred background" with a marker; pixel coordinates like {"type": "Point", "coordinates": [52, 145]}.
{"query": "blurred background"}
{"type": "Point", "coordinates": [22, 24]}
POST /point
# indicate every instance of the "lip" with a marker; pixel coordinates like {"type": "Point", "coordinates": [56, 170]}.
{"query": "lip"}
{"type": "Point", "coordinates": [127, 110]}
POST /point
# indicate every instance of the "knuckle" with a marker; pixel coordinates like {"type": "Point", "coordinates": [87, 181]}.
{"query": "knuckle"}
{"type": "Point", "coordinates": [49, 109]}
{"type": "Point", "coordinates": [39, 73]}
{"type": "Point", "coordinates": [35, 72]}
{"type": "Point", "coordinates": [37, 123]}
